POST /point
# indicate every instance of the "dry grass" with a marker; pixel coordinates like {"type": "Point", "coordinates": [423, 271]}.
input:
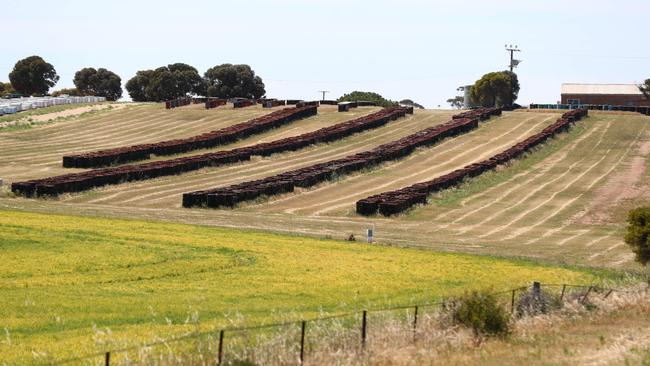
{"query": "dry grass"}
{"type": "Point", "coordinates": [603, 331]}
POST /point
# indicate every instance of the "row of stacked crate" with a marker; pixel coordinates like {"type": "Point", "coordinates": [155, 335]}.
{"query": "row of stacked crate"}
{"type": "Point", "coordinates": [242, 103]}
{"type": "Point", "coordinates": [178, 102]}
{"type": "Point", "coordinates": [206, 140]}
{"type": "Point", "coordinates": [11, 106]}
{"type": "Point", "coordinates": [305, 177]}
{"type": "Point", "coordinates": [214, 102]}
{"type": "Point", "coordinates": [394, 202]}
{"type": "Point", "coordinates": [76, 182]}
{"type": "Point", "coordinates": [346, 106]}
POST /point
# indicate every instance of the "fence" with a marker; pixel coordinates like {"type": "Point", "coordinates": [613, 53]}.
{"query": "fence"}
{"type": "Point", "coordinates": [12, 106]}
{"type": "Point", "coordinates": [360, 330]}
{"type": "Point", "coordinates": [597, 107]}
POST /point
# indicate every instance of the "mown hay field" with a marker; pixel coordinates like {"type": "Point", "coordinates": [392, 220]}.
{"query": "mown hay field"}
{"type": "Point", "coordinates": [75, 285]}
{"type": "Point", "coordinates": [565, 202]}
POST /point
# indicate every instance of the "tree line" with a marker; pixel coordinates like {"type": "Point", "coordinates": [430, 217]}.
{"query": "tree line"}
{"type": "Point", "coordinates": [33, 76]}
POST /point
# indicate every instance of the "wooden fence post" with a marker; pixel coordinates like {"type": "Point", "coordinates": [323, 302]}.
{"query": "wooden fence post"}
{"type": "Point", "coordinates": [107, 359]}
{"type": "Point", "coordinates": [415, 319]}
{"type": "Point", "coordinates": [587, 294]}
{"type": "Point", "coordinates": [512, 302]}
{"type": "Point", "coordinates": [302, 342]}
{"type": "Point", "coordinates": [220, 355]}
{"type": "Point", "coordinates": [562, 295]}
{"type": "Point", "coordinates": [537, 289]}
{"type": "Point", "coordinates": [363, 329]}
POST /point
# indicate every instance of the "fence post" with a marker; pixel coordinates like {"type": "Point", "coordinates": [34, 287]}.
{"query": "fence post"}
{"type": "Point", "coordinates": [363, 329]}
{"type": "Point", "coordinates": [587, 294]}
{"type": "Point", "coordinates": [415, 319]}
{"type": "Point", "coordinates": [562, 295]}
{"type": "Point", "coordinates": [512, 302]}
{"type": "Point", "coordinates": [220, 355]}
{"type": "Point", "coordinates": [302, 342]}
{"type": "Point", "coordinates": [107, 360]}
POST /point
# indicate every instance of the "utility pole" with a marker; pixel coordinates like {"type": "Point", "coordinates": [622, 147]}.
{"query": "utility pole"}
{"type": "Point", "coordinates": [513, 61]}
{"type": "Point", "coordinates": [323, 91]}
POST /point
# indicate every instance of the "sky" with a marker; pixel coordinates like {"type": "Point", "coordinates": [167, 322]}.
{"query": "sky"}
{"type": "Point", "coordinates": [421, 50]}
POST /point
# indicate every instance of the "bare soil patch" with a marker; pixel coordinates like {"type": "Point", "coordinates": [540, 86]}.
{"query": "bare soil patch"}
{"type": "Point", "coordinates": [626, 185]}
{"type": "Point", "coordinates": [41, 118]}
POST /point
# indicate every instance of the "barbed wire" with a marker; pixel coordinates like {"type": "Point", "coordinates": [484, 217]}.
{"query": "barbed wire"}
{"type": "Point", "coordinates": [313, 320]}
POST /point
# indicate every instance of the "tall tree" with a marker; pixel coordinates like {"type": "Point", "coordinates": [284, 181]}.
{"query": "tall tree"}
{"type": "Point", "coordinates": [100, 82]}
{"type": "Point", "coordinates": [411, 103]}
{"type": "Point", "coordinates": [368, 97]}
{"type": "Point", "coordinates": [233, 81]}
{"type": "Point", "coordinates": [5, 89]}
{"type": "Point", "coordinates": [165, 83]}
{"type": "Point", "coordinates": [33, 76]}
{"type": "Point", "coordinates": [645, 88]}
{"type": "Point", "coordinates": [638, 233]}
{"type": "Point", "coordinates": [457, 102]}
{"type": "Point", "coordinates": [66, 91]}
{"type": "Point", "coordinates": [496, 89]}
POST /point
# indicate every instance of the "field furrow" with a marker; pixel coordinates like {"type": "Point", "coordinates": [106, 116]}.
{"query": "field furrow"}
{"type": "Point", "coordinates": [427, 163]}
{"type": "Point", "coordinates": [538, 206]}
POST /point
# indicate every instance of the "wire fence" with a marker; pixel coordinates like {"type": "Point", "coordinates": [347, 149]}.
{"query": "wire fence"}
{"type": "Point", "coordinates": [356, 323]}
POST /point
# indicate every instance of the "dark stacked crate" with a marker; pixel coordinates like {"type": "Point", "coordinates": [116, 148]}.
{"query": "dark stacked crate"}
{"type": "Point", "coordinates": [207, 140]}
{"type": "Point", "coordinates": [77, 182]}
{"type": "Point", "coordinates": [243, 103]}
{"type": "Point", "coordinates": [214, 102]}
{"type": "Point", "coordinates": [273, 103]}
{"type": "Point", "coordinates": [312, 175]}
{"type": "Point", "coordinates": [394, 202]}
{"type": "Point", "coordinates": [99, 177]}
{"type": "Point", "coordinates": [178, 102]}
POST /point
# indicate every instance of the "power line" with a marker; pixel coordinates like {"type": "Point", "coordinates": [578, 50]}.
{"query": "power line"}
{"type": "Point", "coordinates": [323, 91]}
{"type": "Point", "coordinates": [512, 50]}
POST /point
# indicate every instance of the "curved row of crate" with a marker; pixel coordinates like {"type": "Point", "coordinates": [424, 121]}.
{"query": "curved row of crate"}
{"type": "Point", "coordinates": [214, 102]}
{"type": "Point", "coordinates": [77, 182]}
{"type": "Point", "coordinates": [178, 102]}
{"type": "Point", "coordinates": [394, 202]}
{"type": "Point", "coordinates": [222, 136]}
{"type": "Point", "coordinates": [305, 177]}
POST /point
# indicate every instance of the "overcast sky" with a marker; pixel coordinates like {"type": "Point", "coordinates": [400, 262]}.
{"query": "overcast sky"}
{"type": "Point", "coordinates": [421, 50]}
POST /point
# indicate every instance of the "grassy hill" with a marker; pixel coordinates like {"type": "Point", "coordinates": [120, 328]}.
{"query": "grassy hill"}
{"type": "Point", "coordinates": [565, 202]}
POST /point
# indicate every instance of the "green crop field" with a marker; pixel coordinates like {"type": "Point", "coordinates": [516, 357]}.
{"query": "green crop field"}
{"type": "Point", "coordinates": [76, 285]}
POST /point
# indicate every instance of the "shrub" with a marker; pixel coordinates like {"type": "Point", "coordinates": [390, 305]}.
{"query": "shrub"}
{"type": "Point", "coordinates": [638, 233]}
{"type": "Point", "coordinates": [480, 311]}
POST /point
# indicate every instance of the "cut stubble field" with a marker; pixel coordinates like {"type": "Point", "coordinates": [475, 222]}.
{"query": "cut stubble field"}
{"type": "Point", "coordinates": [543, 206]}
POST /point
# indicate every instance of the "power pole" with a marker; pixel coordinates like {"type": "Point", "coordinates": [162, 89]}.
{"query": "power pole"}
{"type": "Point", "coordinates": [513, 62]}
{"type": "Point", "coordinates": [323, 91]}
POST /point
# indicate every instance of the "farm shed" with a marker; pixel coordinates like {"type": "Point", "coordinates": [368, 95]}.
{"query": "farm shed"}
{"type": "Point", "coordinates": [603, 94]}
